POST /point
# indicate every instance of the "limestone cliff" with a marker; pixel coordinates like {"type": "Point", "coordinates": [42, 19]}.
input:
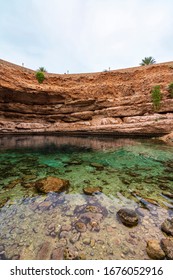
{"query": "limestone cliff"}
{"type": "Point", "coordinates": [115, 102]}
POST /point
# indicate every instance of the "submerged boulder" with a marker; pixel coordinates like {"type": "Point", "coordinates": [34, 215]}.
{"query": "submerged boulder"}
{"type": "Point", "coordinates": [154, 250]}
{"type": "Point", "coordinates": [51, 184]}
{"type": "Point", "coordinates": [44, 252]}
{"type": "Point", "coordinates": [167, 246]}
{"type": "Point", "coordinates": [92, 190]}
{"type": "Point", "coordinates": [128, 217]}
{"type": "Point", "coordinates": [98, 166]}
{"type": "Point", "coordinates": [3, 201]}
{"type": "Point", "coordinates": [167, 226]}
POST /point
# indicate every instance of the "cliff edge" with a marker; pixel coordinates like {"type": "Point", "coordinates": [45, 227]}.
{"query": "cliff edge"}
{"type": "Point", "coordinates": [115, 102]}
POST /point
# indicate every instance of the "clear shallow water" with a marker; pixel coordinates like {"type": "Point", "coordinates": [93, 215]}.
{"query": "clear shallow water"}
{"type": "Point", "coordinates": [132, 173]}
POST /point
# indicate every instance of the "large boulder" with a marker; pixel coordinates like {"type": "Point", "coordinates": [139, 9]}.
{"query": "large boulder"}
{"type": "Point", "coordinates": [167, 226]}
{"type": "Point", "coordinates": [128, 217]}
{"type": "Point", "coordinates": [51, 184]}
{"type": "Point", "coordinates": [92, 190]}
{"type": "Point", "coordinates": [167, 246]}
{"type": "Point", "coordinates": [154, 250]}
{"type": "Point", "coordinates": [168, 138]}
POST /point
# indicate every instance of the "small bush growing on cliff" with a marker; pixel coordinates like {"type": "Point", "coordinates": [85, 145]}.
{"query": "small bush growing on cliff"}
{"type": "Point", "coordinates": [170, 89]}
{"type": "Point", "coordinates": [40, 76]}
{"type": "Point", "coordinates": [156, 97]}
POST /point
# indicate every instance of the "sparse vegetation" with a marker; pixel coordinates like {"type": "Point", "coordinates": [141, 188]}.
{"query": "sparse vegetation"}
{"type": "Point", "coordinates": [40, 76]}
{"type": "Point", "coordinates": [156, 97]}
{"type": "Point", "coordinates": [147, 61]}
{"type": "Point", "coordinates": [170, 89]}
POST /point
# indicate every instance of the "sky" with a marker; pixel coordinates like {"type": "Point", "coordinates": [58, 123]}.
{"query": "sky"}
{"type": "Point", "coordinates": [79, 36]}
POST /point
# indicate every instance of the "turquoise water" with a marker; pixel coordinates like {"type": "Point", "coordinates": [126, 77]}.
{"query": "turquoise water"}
{"type": "Point", "coordinates": [132, 173]}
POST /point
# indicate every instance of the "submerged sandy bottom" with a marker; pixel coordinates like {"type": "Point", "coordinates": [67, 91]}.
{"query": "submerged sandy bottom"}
{"type": "Point", "coordinates": [25, 230]}
{"type": "Point", "coordinates": [132, 174]}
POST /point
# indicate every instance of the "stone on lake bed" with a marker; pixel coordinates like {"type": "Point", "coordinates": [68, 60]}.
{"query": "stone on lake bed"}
{"type": "Point", "coordinates": [98, 166]}
{"type": "Point", "coordinates": [51, 184]}
{"type": "Point", "coordinates": [92, 190]}
{"type": "Point", "coordinates": [154, 250]}
{"type": "Point", "coordinates": [167, 226]}
{"type": "Point", "coordinates": [44, 252]}
{"type": "Point", "coordinates": [167, 246]}
{"type": "Point", "coordinates": [57, 254]}
{"type": "Point", "coordinates": [70, 254]}
{"type": "Point", "coordinates": [3, 202]}
{"type": "Point", "coordinates": [128, 217]}
{"type": "Point", "coordinates": [80, 226]}
{"type": "Point", "coordinates": [168, 194]}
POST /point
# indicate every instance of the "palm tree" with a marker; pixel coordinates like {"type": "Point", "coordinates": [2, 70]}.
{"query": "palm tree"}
{"type": "Point", "coordinates": [147, 61]}
{"type": "Point", "coordinates": [41, 69]}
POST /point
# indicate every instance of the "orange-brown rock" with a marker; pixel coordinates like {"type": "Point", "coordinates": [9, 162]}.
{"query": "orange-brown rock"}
{"type": "Point", "coordinates": [168, 138]}
{"type": "Point", "coordinates": [92, 190]}
{"type": "Point", "coordinates": [51, 184]}
{"type": "Point", "coordinates": [114, 102]}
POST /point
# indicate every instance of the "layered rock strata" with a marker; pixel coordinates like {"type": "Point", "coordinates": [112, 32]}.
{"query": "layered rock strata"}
{"type": "Point", "coordinates": [115, 102]}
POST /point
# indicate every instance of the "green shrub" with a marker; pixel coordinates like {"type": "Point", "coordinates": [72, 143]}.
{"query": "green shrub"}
{"type": "Point", "coordinates": [156, 97]}
{"type": "Point", "coordinates": [170, 89]}
{"type": "Point", "coordinates": [40, 76]}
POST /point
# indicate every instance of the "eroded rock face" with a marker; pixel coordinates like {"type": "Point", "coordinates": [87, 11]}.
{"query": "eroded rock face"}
{"type": "Point", "coordinates": [115, 102]}
{"type": "Point", "coordinates": [51, 184]}
{"type": "Point", "coordinates": [128, 217]}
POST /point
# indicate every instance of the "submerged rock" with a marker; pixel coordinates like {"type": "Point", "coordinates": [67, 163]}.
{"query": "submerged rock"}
{"type": "Point", "coordinates": [80, 226]}
{"type": "Point", "coordinates": [57, 254]}
{"type": "Point", "coordinates": [154, 250]}
{"type": "Point", "coordinates": [168, 194]}
{"type": "Point", "coordinates": [51, 184]}
{"type": "Point", "coordinates": [93, 208]}
{"type": "Point", "coordinates": [167, 246]}
{"type": "Point", "coordinates": [167, 226]}
{"type": "Point", "coordinates": [75, 237]}
{"type": "Point", "coordinates": [92, 190]}
{"type": "Point", "coordinates": [70, 254]}
{"type": "Point", "coordinates": [3, 202]}
{"type": "Point", "coordinates": [44, 251]}
{"type": "Point", "coordinates": [13, 184]}
{"type": "Point", "coordinates": [98, 166]}
{"type": "Point", "coordinates": [2, 249]}
{"type": "Point", "coordinates": [128, 217]}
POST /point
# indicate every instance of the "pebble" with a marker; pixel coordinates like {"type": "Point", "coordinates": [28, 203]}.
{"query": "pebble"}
{"type": "Point", "coordinates": [2, 248]}
{"type": "Point", "coordinates": [63, 234]}
{"type": "Point", "coordinates": [92, 243]}
{"type": "Point", "coordinates": [87, 241]}
{"type": "Point", "coordinates": [65, 227]}
{"type": "Point", "coordinates": [81, 227]}
{"type": "Point", "coordinates": [75, 238]}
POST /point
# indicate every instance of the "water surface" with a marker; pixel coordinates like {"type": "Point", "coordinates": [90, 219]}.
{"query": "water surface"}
{"type": "Point", "coordinates": [132, 173]}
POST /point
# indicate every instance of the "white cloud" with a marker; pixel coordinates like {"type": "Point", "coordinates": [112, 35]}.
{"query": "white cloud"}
{"type": "Point", "coordinates": [89, 35]}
